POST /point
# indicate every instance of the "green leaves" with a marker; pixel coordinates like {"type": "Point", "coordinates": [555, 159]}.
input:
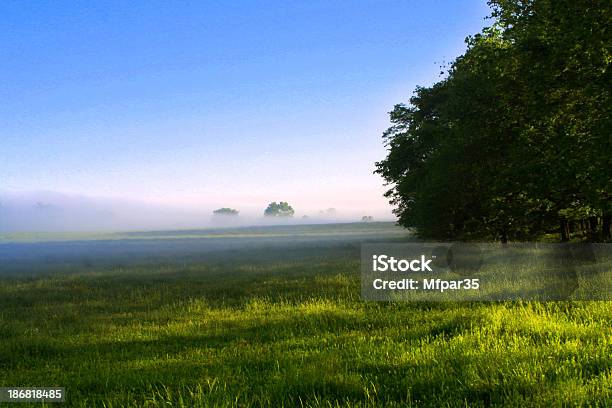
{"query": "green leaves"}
{"type": "Point", "coordinates": [281, 209]}
{"type": "Point", "coordinates": [517, 136]}
{"type": "Point", "coordinates": [226, 211]}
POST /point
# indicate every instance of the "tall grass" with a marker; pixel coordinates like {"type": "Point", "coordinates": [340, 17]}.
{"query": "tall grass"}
{"type": "Point", "coordinates": [294, 332]}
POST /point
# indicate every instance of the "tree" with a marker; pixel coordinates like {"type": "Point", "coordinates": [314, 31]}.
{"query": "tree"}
{"type": "Point", "coordinates": [281, 209]}
{"type": "Point", "coordinates": [225, 211]}
{"type": "Point", "coordinates": [514, 141]}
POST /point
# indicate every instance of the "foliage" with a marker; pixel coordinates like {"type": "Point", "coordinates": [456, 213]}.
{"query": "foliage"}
{"type": "Point", "coordinates": [515, 141]}
{"type": "Point", "coordinates": [281, 209]}
{"type": "Point", "coordinates": [226, 211]}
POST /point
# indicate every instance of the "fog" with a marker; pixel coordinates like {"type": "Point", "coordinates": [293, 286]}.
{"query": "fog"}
{"type": "Point", "coordinates": [49, 211]}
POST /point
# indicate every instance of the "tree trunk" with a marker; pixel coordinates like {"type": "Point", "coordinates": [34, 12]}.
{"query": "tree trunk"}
{"type": "Point", "coordinates": [592, 234]}
{"type": "Point", "coordinates": [563, 230]}
{"type": "Point", "coordinates": [504, 237]}
{"type": "Point", "coordinates": [605, 227]}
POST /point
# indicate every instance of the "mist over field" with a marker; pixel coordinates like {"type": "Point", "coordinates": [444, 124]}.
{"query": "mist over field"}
{"type": "Point", "coordinates": [53, 211]}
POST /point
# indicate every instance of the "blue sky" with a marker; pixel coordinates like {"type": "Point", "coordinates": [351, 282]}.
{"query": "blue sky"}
{"type": "Point", "coordinates": [207, 104]}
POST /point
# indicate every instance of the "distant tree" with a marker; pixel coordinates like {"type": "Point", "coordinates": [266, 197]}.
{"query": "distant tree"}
{"type": "Point", "coordinates": [367, 218]}
{"type": "Point", "coordinates": [225, 211]}
{"type": "Point", "coordinates": [281, 209]}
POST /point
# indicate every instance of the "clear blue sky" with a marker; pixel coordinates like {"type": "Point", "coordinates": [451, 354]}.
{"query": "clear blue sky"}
{"type": "Point", "coordinates": [214, 103]}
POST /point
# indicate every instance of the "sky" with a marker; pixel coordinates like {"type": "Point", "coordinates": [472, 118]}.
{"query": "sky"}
{"type": "Point", "coordinates": [207, 104]}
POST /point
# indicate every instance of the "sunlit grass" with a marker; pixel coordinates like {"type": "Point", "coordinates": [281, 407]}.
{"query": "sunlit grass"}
{"type": "Point", "coordinates": [291, 333]}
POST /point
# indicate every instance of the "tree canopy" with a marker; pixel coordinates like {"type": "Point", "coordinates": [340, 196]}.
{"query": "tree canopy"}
{"type": "Point", "coordinates": [226, 211]}
{"type": "Point", "coordinates": [281, 209]}
{"type": "Point", "coordinates": [515, 141]}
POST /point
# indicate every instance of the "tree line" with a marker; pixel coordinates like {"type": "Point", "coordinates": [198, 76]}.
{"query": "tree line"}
{"type": "Point", "coordinates": [274, 209]}
{"type": "Point", "coordinates": [514, 141]}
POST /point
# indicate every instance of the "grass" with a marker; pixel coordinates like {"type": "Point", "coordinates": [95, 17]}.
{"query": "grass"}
{"type": "Point", "coordinates": [286, 326]}
{"type": "Point", "coordinates": [300, 230]}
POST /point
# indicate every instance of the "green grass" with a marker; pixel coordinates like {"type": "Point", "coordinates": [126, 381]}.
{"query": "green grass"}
{"type": "Point", "coordinates": [288, 328]}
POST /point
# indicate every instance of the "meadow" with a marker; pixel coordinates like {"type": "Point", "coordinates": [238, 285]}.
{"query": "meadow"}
{"type": "Point", "coordinates": [273, 316]}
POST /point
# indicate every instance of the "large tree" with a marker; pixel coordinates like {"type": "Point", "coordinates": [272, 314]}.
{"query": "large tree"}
{"type": "Point", "coordinates": [515, 141]}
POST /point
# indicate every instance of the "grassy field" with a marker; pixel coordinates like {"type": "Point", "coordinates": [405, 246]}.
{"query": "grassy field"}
{"type": "Point", "coordinates": [273, 317]}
